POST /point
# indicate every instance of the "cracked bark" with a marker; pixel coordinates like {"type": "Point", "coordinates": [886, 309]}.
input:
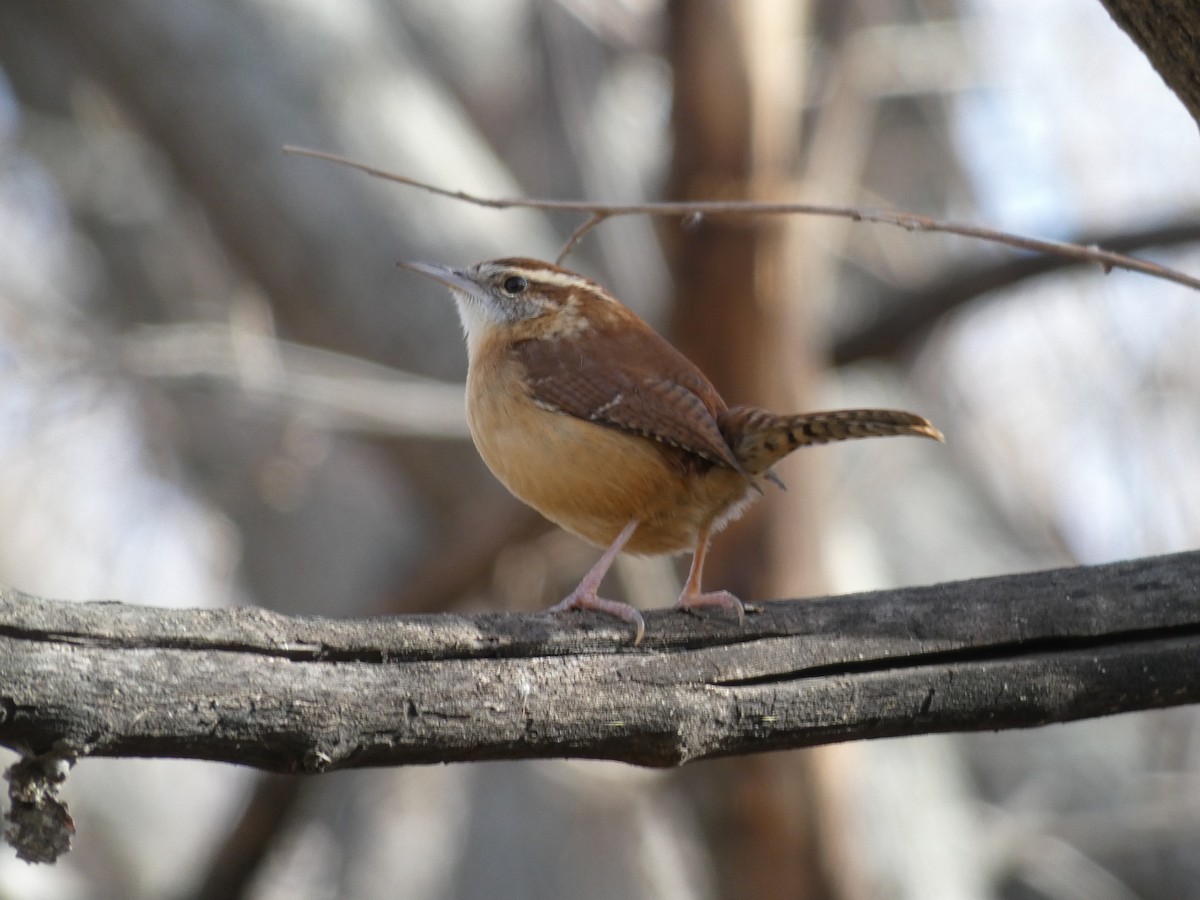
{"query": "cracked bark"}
{"type": "Point", "coordinates": [292, 694]}
{"type": "Point", "coordinates": [307, 695]}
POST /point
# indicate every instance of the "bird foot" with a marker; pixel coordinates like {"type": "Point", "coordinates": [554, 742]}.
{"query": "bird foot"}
{"type": "Point", "coordinates": [589, 600]}
{"type": "Point", "coordinates": [692, 602]}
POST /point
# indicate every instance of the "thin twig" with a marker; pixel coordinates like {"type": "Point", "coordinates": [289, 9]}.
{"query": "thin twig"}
{"type": "Point", "coordinates": [577, 235]}
{"type": "Point", "coordinates": [598, 212]}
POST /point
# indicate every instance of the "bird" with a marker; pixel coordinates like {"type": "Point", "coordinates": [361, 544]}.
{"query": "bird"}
{"type": "Point", "coordinates": [588, 415]}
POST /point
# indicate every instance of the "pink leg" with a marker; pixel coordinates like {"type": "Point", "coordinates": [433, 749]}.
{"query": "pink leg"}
{"type": "Point", "coordinates": [585, 596]}
{"type": "Point", "coordinates": [693, 598]}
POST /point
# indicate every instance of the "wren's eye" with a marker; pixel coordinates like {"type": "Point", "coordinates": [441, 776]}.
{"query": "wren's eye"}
{"type": "Point", "coordinates": [515, 284]}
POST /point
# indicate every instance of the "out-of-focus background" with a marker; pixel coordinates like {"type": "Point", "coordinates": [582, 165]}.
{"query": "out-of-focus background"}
{"type": "Point", "coordinates": [217, 388]}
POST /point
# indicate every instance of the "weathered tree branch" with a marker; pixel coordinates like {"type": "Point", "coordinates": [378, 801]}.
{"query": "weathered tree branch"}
{"type": "Point", "coordinates": [295, 694]}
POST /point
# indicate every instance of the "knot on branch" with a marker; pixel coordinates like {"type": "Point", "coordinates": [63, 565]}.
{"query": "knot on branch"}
{"type": "Point", "coordinates": [39, 825]}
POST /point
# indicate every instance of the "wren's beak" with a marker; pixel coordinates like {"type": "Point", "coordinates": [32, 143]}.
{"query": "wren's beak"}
{"type": "Point", "coordinates": [451, 278]}
{"type": "Point", "coordinates": [475, 305]}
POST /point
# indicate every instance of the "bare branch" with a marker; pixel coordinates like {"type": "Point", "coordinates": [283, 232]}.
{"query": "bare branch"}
{"type": "Point", "coordinates": [598, 212]}
{"type": "Point", "coordinates": [293, 694]}
{"type": "Point", "coordinates": [577, 235]}
{"type": "Point", "coordinates": [297, 694]}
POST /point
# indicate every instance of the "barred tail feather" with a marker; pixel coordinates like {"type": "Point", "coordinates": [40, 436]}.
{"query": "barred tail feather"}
{"type": "Point", "coordinates": [759, 438]}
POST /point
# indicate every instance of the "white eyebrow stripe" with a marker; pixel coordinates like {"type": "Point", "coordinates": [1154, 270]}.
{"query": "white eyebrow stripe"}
{"type": "Point", "coordinates": [550, 277]}
{"type": "Point", "coordinates": [557, 279]}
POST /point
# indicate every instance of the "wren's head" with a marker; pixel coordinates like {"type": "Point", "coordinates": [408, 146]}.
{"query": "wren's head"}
{"type": "Point", "coordinates": [524, 298]}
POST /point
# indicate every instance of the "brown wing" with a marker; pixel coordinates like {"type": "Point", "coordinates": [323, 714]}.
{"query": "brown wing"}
{"type": "Point", "coordinates": [632, 379]}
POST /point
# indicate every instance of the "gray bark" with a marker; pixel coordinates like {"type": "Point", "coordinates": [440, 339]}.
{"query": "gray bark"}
{"type": "Point", "coordinates": [308, 695]}
{"type": "Point", "coordinates": [293, 694]}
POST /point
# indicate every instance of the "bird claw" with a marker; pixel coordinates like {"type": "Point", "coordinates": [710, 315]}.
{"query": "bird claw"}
{"type": "Point", "coordinates": [724, 599]}
{"type": "Point", "coordinates": [622, 611]}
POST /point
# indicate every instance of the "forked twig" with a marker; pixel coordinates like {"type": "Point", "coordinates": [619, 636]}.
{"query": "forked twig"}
{"type": "Point", "coordinates": [599, 212]}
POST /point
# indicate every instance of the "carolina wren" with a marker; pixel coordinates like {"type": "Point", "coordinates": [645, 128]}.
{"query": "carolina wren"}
{"type": "Point", "coordinates": [594, 420]}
